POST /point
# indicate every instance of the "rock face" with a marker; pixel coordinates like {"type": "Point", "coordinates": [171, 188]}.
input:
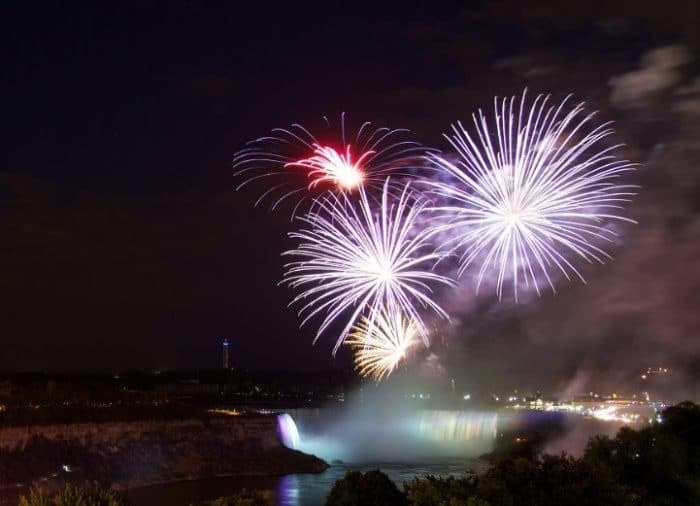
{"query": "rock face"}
{"type": "Point", "coordinates": [139, 453]}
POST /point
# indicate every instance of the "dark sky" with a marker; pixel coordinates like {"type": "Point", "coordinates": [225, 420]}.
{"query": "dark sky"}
{"type": "Point", "coordinates": [123, 243]}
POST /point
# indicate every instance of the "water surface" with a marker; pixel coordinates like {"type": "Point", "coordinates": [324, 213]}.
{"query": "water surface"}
{"type": "Point", "coordinates": [293, 489]}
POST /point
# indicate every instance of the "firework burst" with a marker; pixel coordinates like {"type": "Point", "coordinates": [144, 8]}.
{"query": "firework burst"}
{"type": "Point", "coordinates": [292, 162]}
{"type": "Point", "coordinates": [354, 261]}
{"type": "Point", "coordinates": [382, 345]}
{"type": "Point", "coordinates": [530, 189]}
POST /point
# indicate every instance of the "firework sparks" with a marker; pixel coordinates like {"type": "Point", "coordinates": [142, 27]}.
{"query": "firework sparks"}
{"type": "Point", "coordinates": [546, 187]}
{"type": "Point", "coordinates": [338, 169]}
{"type": "Point", "coordinates": [382, 345]}
{"type": "Point", "coordinates": [353, 260]}
{"type": "Point", "coordinates": [292, 162]}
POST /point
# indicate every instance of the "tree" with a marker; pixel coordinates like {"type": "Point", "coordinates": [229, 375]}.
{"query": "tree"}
{"type": "Point", "coordinates": [551, 480]}
{"type": "Point", "coordinates": [660, 462]}
{"type": "Point", "coordinates": [243, 498]}
{"type": "Point", "coordinates": [373, 488]}
{"type": "Point", "coordinates": [436, 491]}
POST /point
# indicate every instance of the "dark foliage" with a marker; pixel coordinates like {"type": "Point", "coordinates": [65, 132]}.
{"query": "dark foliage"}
{"type": "Point", "coordinates": [372, 488]}
{"type": "Point", "coordinates": [661, 462]}
{"type": "Point", "coordinates": [243, 498]}
{"type": "Point", "coordinates": [434, 491]}
{"type": "Point", "coordinates": [552, 480]}
{"type": "Point", "coordinates": [89, 494]}
{"type": "Point", "coordinates": [41, 457]}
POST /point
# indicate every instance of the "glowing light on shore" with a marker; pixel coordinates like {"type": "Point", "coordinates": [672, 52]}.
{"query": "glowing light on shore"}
{"type": "Point", "coordinates": [531, 188]}
{"type": "Point", "coordinates": [354, 261]}
{"type": "Point", "coordinates": [225, 411]}
{"type": "Point", "coordinates": [382, 345]}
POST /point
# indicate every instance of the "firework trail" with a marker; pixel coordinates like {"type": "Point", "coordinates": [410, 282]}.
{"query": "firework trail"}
{"type": "Point", "coordinates": [354, 261]}
{"type": "Point", "coordinates": [530, 189]}
{"type": "Point", "coordinates": [380, 346]}
{"type": "Point", "coordinates": [293, 162]}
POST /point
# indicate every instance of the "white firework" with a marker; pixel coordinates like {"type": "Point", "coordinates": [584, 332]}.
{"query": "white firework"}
{"type": "Point", "coordinates": [529, 190]}
{"type": "Point", "coordinates": [382, 345]}
{"type": "Point", "coordinates": [353, 261]}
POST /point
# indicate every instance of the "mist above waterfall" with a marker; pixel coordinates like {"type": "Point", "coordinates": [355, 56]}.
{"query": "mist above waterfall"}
{"type": "Point", "coordinates": [386, 424]}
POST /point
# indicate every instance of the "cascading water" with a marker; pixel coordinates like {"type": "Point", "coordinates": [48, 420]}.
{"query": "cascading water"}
{"type": "Point", "coordinates": [287, 431]}
{"type": "Point", "coordinates": [445, 425]}
{"type": "Point", "coordinates": [401, 435]}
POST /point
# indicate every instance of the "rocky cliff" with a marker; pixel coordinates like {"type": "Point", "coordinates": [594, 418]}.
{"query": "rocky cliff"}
{"type": "Point", "coordinates": [138, 453]}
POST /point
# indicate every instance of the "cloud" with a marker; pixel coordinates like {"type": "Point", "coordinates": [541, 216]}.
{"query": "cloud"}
{"type": "Point", "coordinates": [661, 70]}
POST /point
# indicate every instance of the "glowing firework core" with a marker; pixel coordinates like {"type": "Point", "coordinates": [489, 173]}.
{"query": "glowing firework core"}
{"type": "Point", "coordinates": [296, 165]}
{"type": "Point", "coordinates": [381, 345]}
{"type": "Point", "coordinates": [329, 165]}
{"type": "Point", "coordinates": [379, 269]}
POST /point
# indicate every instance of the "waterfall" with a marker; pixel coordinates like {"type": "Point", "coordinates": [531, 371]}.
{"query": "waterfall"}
{"type": "Point", "coordinates": [391, 435]}
{"type": "Point", "coordinates": [287, 430]}
{"type": "Point", "coordinates": [445, 425]}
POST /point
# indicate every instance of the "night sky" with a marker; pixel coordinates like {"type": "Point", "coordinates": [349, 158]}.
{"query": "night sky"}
{"type": "Point", "coordinates": [124, 245]}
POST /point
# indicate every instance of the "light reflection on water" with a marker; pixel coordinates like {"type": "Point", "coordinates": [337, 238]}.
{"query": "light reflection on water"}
{"type": "Point", "coordinates": [293, 489]}
{"type": "Point", "coordinates": [312, 489]}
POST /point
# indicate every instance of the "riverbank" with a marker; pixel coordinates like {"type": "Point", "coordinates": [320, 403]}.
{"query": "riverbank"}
{"type": "Point", "coordinates": [149, 452]}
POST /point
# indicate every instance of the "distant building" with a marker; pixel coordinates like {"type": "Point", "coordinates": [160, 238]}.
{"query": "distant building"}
{"type": "Point", "coordinates": [224, 346]}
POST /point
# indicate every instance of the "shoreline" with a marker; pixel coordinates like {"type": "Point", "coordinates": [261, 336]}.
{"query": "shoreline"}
{"type": "Point", "coordinates": [138, 454]}
{"type": "Point", "coordinates": [10, 493]}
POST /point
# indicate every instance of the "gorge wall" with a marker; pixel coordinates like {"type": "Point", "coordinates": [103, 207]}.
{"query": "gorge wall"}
{"type": "Point", "coordinates": [137, 453]}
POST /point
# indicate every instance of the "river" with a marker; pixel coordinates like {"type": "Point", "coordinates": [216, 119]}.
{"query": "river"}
{"type": "Point", "coordinates": [294, 489]}
{"type": "Point", "coordinates": [405, 443]}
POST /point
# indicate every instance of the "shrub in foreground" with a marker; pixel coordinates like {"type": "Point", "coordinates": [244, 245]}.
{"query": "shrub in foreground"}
{"type": "Point", "coordinates": [449, 491]}
{"type": "Point", "coordinates": [89, 494]}
{"type": "Point", "coordinates": [372, 488]}
{"type": "Point", "coordinates": [244, 498]}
